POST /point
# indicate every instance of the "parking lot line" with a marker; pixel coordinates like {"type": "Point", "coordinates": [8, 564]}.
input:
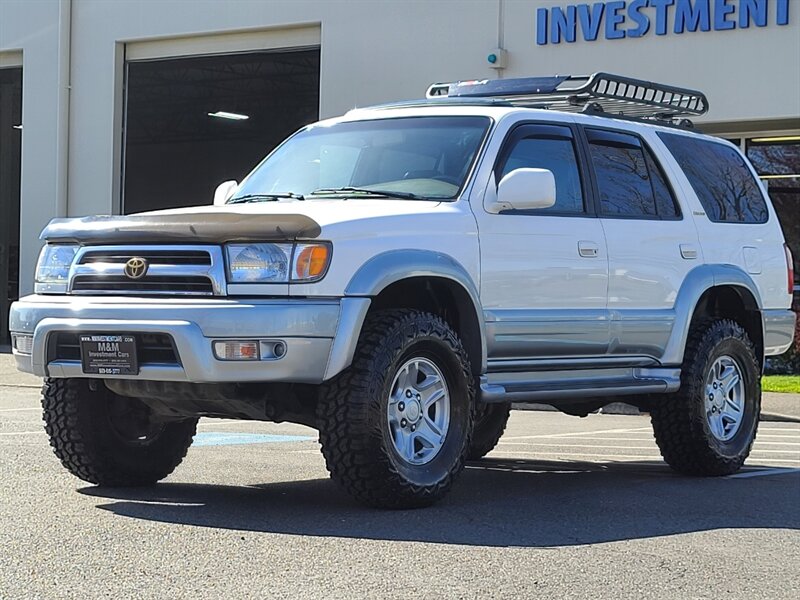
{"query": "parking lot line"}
{"type": "Point", "coordinates": [604, 457]}
{"type": "Point", "coordinates": [4, 433]}
{"type": "Point", "coordinates": [577, 433]}
{"type": "Point", "coordinates": [5, 410]}
{"type": "Point", "coordinates": [653, 447]}
{"type": "Point", "coordinates": [210, 438]}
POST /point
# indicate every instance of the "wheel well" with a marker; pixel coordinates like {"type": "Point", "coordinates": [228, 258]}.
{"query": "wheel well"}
{"type": "Point", "coordinates": [737, 303]}
{"type": "Point", "coordinates": [442, 297]}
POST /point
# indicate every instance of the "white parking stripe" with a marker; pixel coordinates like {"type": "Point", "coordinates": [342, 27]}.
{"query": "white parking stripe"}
{"type": "Point", "coordinates": [604, 457]}
{"type": "Point", "coordinates": [763, 443]}
{"type": "Point", "coordinates": [3, 410]}
{"type": "Point", "coordinates": [21, 432]}
{"type": "Point", "coordinates": [782, 471]}
{"type": "Point", "coordinates": [578, 433]}
{"type": "Point", "coordinates": [653, 447]}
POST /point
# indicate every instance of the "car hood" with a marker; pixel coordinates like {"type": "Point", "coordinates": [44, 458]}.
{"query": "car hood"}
{"type": "Point", "coordinates": [278, 220]}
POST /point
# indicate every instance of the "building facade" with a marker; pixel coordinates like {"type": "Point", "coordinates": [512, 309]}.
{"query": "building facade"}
{"type": "Point", "coordinates": [127, 105]}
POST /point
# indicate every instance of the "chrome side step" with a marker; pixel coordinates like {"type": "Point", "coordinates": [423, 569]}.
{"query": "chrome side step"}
{"type": "Point", "coordinates": [551, 388]}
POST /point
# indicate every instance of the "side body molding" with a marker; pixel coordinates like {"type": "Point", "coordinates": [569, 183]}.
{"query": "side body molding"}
{"type": "Point", "coordinates": [395, 265]}
{"type": "Point", "coordinates": [697, 282]}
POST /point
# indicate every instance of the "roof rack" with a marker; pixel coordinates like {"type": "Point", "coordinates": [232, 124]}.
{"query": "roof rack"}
{"type": "Point", "coordinates": [598, 94]}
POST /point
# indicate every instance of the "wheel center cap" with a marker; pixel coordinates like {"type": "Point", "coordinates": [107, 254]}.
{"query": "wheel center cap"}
{"type": "Point", "coordinates": [413, 410]}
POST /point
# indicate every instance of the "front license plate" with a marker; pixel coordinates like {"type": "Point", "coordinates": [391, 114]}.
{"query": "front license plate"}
{"type": "Point", "coordinates": [109, 354]}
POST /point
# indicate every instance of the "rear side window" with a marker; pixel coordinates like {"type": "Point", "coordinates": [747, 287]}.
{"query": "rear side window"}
{"type": "Point", "coordinates": [629, 181]}
{"type": "Point", "coordinates": [546, 147]}
{"type": "Point", "coordinates": [720, 178]}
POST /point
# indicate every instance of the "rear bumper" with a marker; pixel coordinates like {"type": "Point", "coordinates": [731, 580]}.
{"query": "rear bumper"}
{"type": "Point", "coordinates": [309, 328]}
{"type": "Point", "coordinates": [778, 331]}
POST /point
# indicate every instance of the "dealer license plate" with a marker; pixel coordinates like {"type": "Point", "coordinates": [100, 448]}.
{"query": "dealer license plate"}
{"type": "Point", "coordinates": [109, 354]}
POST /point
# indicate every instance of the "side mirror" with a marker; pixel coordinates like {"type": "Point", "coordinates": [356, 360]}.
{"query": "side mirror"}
{"type": "Point", "coordinates": [224, 192]}
{"type": "Point", "coordinates": [525, 189]}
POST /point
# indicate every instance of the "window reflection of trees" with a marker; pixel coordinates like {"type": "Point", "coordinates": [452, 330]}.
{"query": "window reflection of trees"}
{"type": "Point", "coordinates": [776, 159]}
{"type": "Point", "coordinates": [720, 178]}
{"type": "Point", "coordinates": [622, 180]}
{"type": "Point", "coordinates": [782, 159]}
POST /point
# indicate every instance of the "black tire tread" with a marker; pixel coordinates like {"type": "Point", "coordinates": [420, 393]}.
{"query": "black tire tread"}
{"type": "Point", "coordinates": [488, 430]}
{"type": "Point", "coordinates": [348, 434]}
{"type": "Point", "coordinates": [678, 425]}
{"type": "Point", "coordinates": [88, 454]}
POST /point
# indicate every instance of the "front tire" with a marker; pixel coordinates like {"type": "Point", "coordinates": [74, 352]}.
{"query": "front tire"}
{"type": "Point", "coordinates": [395, 427]}
{"type": "Point", "coordinates": [111, 440]}
{"type": "Point", "coordinates": [709, 426]}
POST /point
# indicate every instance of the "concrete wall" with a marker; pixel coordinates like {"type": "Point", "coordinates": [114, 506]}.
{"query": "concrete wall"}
{"type": "Point", "coordinates": [371, 51]}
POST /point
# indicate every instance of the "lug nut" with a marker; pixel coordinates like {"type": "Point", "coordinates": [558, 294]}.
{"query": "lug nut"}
{"type": "Point", "coordinates": [403, 422]}
{"type": "Point", "coordinates": [419, 397]}
{"type": "Point", "coordinates": [401, 406]}
{"type": "Point", "coordinates": [715, 385]}
{"type": "Point", "coordinates": [413, 428]}
{"type": "Point", "coordinates": [408, 393]}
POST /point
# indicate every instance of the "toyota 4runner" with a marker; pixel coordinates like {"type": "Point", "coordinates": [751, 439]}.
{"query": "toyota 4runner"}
{"type": "Point", "coordinates": [397, 277]}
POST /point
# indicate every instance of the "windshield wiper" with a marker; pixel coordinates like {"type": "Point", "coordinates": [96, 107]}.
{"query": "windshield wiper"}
{"type": "Point", "coordinates": [265, 198]}
{"type": "Point", "coordinates": [367, 191]}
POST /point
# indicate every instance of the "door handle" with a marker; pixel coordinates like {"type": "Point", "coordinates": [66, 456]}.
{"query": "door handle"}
{"type": "Point", "coordinates": [588, 249]}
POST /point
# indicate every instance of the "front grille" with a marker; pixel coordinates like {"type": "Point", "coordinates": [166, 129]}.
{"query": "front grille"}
{"type": "Point", "coordinates": [154, 257]}
{"type": "Point", "coordinates": [146, 285]}
{"type": "Point", "coordinates": [171, 270]}
{"type": "Point", "coordinates": [151, 348]}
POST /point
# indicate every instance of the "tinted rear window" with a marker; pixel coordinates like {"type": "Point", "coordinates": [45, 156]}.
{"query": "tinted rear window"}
{"type": "Point", "coordinates": [720, 178]}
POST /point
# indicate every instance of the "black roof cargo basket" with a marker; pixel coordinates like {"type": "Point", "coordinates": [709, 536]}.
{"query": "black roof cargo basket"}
{"type": "Point", "coordinates": [601, 93]}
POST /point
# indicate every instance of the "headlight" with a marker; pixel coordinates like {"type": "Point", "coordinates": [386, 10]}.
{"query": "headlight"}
{"type": "Point", "coordinates": [259, 263]}
{"type": "Point", "coordinates": [277, 263]}
{"type": "Point", "coordinates": [54, 264]}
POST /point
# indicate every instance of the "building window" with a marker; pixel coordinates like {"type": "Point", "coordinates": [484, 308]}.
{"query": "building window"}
{"type": "Point", "coordinates": [777, 161]}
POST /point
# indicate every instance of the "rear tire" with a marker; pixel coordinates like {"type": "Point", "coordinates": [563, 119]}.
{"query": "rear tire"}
{"type": "Point", "coordinates": [699, 429]}
{"type": "Point", "coordinates": [490, 423]}
{"type": "Point", "coordinates": [378, 420]}
{"type": "Point", "coordinates": [111, 440]}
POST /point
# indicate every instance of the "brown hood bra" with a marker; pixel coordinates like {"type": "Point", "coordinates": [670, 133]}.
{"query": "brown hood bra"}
{"type": "Point", "coordinates": [206, 228]}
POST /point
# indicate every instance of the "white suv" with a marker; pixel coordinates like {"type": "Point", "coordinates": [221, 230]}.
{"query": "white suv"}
{"type": "Point", "coordinates": [397, 277]}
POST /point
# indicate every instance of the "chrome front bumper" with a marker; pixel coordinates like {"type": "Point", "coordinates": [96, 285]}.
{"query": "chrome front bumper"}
{"type": "Point", "coordinates": [320, 335]}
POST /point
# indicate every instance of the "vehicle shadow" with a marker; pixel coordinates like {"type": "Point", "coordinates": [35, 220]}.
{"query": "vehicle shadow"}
{"type": "Point", "coordinates": [525, 503]}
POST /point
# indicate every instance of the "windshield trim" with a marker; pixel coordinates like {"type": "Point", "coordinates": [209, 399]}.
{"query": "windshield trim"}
{"type": "Point", "coordinates": [454, 198]}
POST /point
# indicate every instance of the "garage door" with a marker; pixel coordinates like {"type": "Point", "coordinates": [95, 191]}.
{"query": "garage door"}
{"type": "Point", "coordinates": [193, 122]}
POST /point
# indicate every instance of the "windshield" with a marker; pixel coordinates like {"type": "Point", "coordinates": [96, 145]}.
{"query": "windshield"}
{"type": "Point", "coordinates": [416, 157]}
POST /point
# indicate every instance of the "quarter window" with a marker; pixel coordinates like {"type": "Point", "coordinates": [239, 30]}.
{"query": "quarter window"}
{"type": "Point", "coordinates": [720, 177]}
{"type": "Point", "coordinates": [629, 181]}
{"type": "Point", "coordinates": [547, 147]}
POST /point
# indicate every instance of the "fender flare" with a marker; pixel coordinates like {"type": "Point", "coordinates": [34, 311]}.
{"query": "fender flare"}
{"type": "Point", "coordinates": [697, 282]}
{"type": "Point", "coordinates": [387, 268]}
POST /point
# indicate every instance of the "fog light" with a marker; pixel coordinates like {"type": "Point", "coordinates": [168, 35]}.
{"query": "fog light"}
{"type": "Point", "coordinates": [272, 349]}
{"type": "Point", "coordinates": [22, 343]}
{"type": "Point", "coordinates": [237, 350]}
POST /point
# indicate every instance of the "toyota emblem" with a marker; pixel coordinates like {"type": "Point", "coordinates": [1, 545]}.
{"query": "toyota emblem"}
{"type": "Point", "coordinates": [136, 268]}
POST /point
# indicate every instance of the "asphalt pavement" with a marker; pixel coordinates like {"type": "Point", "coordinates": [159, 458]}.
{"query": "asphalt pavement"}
{"type": "Point", "coordinates": [563, 508]}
